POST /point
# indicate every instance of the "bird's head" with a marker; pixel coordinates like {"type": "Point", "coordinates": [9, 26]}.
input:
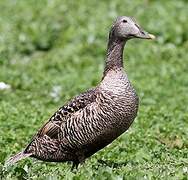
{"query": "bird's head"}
{"type": "Point", "coordinates": [126, 28]}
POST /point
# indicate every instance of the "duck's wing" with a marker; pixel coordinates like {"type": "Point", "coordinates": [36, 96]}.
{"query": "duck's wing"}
{"type": "Point", "coordinates": [54, 126]}
{"type": "Point", "coordinates": [45, 144]}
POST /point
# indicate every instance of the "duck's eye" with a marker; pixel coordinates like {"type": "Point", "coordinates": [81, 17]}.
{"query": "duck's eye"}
{"type": "Point", "coordinates": [124, 21]}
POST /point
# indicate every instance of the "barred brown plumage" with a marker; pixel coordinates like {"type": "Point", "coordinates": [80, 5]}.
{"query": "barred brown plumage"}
{"type": "Point", "coordinates": [95, 118]}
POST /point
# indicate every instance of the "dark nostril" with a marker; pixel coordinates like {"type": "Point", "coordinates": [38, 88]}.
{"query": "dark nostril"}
{"type": "Point", "coordinates": [142, 32]}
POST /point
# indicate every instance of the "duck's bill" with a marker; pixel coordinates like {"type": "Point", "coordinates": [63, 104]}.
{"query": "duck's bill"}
{"type": "Point", "coordinates": [144, 35]}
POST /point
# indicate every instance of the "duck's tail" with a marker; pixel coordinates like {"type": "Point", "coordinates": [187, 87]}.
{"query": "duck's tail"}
{"type": "Point", "coordinates": [21, 155]}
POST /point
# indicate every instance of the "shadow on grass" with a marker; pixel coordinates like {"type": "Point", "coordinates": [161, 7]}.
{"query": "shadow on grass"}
{"type": "Point", "coordinates": [112, 164]}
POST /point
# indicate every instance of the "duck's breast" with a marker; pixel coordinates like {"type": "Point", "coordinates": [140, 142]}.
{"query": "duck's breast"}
{"type": "Point", "coordinates": [120, 98]}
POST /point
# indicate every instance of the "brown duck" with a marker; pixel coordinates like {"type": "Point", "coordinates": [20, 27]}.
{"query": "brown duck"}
{"type": "Point", "coordinates": [95, 118]}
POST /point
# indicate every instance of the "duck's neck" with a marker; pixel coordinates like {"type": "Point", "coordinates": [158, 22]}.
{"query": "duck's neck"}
{"type": "Point", "coordinates": [114, 59]}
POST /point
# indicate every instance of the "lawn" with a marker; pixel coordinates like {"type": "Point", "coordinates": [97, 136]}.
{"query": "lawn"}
{"type": "Point", "coordinates": [52, 50]}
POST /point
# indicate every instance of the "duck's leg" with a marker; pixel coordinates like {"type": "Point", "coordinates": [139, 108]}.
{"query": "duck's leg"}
{"type": "Point", "coordinates": [75, 165]}
{"type": "Point", "coordinates": [80, 160]}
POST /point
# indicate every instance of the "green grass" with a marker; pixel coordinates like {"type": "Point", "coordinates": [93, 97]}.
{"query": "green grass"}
{"type": "Point", "coordinates": [58, 47]}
